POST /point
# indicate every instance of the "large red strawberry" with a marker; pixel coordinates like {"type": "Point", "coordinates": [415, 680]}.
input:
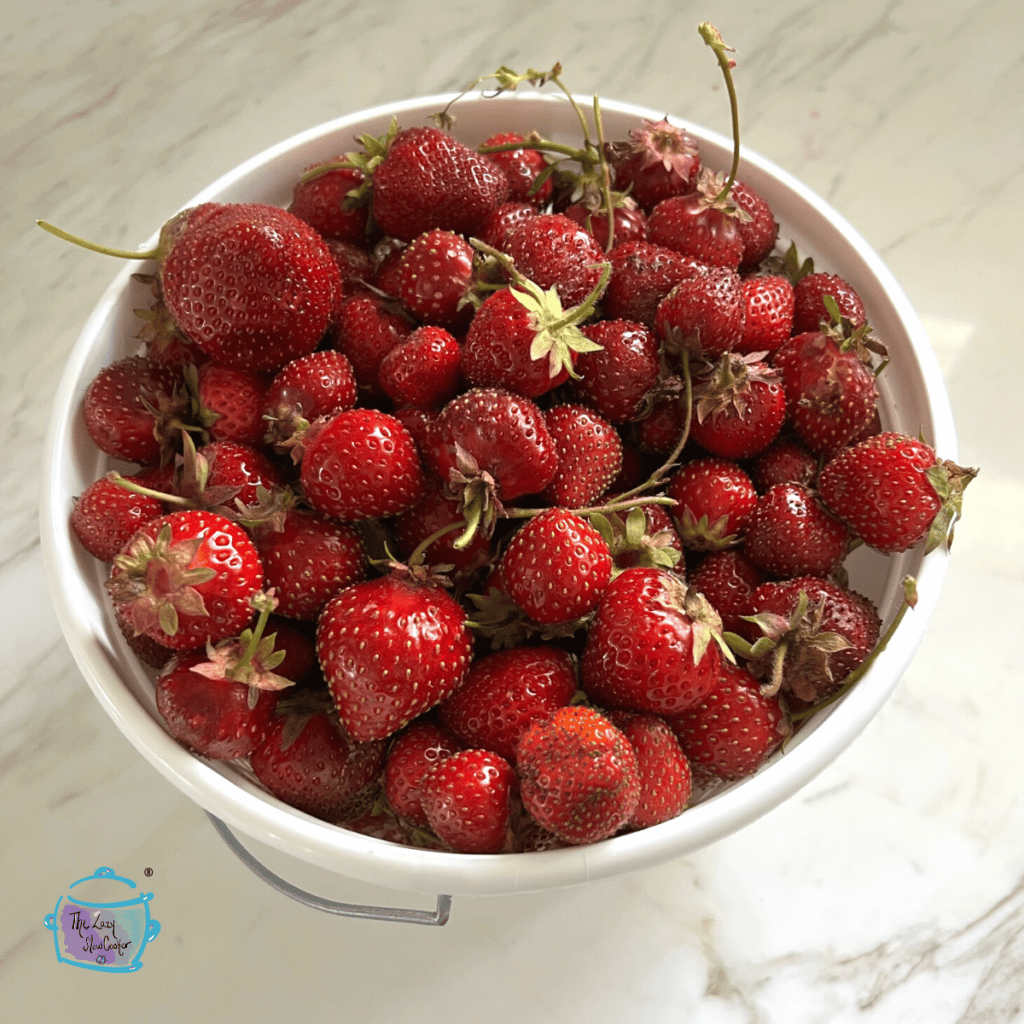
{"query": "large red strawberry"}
{"type": "Point", "coordinates": [589, 455]}
{"type": "Point", "coordinates": [307, 760]}
{"type": "Point", "coordinates": [362, 464]}
{"type": "Point", "coordinates": [653, 644]}
{"type": "Point", "coordinates": [504, 692]}
{"type": "Point", "coordinates": [428, 179]}
{"type": "Point", "coordinates": [579, 776]}
{"type": "Point", "coordinates": [735, 728]}
{"type": "Point", "coordinates": [893, 491]}
{"type": "Point", "coordinates": [391, 648]}
{"type": "Point", "coordinates": [186, 578]}
{"type": "Point", "coordinates": [704, 312]}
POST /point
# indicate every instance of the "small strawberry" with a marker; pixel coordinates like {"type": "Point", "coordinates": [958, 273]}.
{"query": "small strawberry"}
{"type": "Point", "coordinates": [435, 273]}
{"type": "Point", "coordinates": [893, 491]}
{"type": "Point", "coordinates": [362, 464]}
{"type": "Point", "coordinates": [810, 310]}
{"type": "Point", "coordinates": [665, 778]}
{"type": "Point", "coordinates": [760, 231]}
{"type": "Point", "coordinates": [424, 369]}
{"type": "Point", "coordinates": [391, 648]}
{"type": "Point", "coordinates": [714, 498]}
{"type": "Point", "coordinates": [768, 312]}
{"type": "Point", "coordinates": [321, 198]}
{"type": "Point", "coordinates": [734, 729]}
{"type": "Point", "coordinates": [704, 312]}
{"type": "Point", "coordinates": [659, 160]}
{"type": "Point", "coordinates": [630, 224]}
{"type": "Point", "coordinates": [589, 455]}
{"type": "Point", "coordinates": [229, 474]}
{"type": "Point", "coordinates": [504, 692]}
{"type": "Point", "coordinates": [522, 168]}
{"type": "Point", "coordinates": [653, 644]}
{"type": "Point", "coordinates": [615, 379]}
{"type": "Point", "coordinates": [642, 275]}
{"type": "Point", "coordinates": [645, 536]}
{"type": "Point", "coordinates": [728, 580]}
{"type": "Point", "coordinates": [495, 231]}
{"type": "Point", "coordinates": [368, 328]}
{"type": "Point", "coordinates": [427, 179]}
{"type": "Point", "coordinates": [128, 407]}
{"type": "Point", "coordinates": [307, 760]}
{"type": "Point", "coordinates": [186, 578]}
{"type": "Point", "coordinates": [308, 560]}
{"type": "Point", "coordinates": [107, 515]}
{"type": "Point", "coordinates": [556, 567]}
{"type": "Point", "coordinates": [784, 461]}
{"type": "Point", "coordinates": [467, 800]}
{"type": "Point", "coordinates": [230, 402]}
{"type": "Point", "coordinates": [412, 753]}
{"type": "Point", "coordinates": [579, 776]}
{"type": "Point", "coordinates": [791, 533]}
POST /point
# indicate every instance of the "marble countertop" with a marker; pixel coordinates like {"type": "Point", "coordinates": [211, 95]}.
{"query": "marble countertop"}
{"type": "Point", "coordinates": [891, 889]}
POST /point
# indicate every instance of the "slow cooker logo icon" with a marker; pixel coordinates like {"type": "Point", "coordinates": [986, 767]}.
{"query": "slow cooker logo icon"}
{"type": "Point", "coordinates": [101, 925]}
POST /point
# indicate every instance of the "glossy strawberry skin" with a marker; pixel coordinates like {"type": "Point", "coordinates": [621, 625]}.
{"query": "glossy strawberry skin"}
{"type": "Point", "coordinates": [728, 580]}
{"type": "Point", "coordinates": [660, 160]}
{"type": "Point", "coordinates": [425, 369]}
{"type": "Point", "coordinates": [589, 455]}
{"type": "Point", "coordinates": [784, 461]}
{"type": "Point", "coordinates": [467, 800]}
{"type": "Point", "coordinates": [435, 271]}
{"type": "Point", "coordinates": [521, 167]}
{"type": "Point", "coordinates": [391, 649]}
{"type": "Point", "coordinates": [714, 498]}
{"type": "Point", "coordinates": [760, 232]}
{"type": "Point", "coordinates": [118, 408]}
{"type": "Point", "coordinates": [363, 464]}
{"type": "Point", "coordinates": [579, 776]}
{"type": "Point", "coordinates": [768, 312]}
{"type": "Point", "coordinates": [880, 488]}
{"type": "Point", "coordinates": [106, 516]}
{"type": "Point", "coordinates": [790, 533]}
{"type": "Point", "coordinates": [412, 753]}
{"type": "Point", "coordinates": [320, 770]}
{"type": "Point", "coordinates": [232, 400]}
{"type": "Point", "coordinates": [640, 652]}
{"type": "Point", "coordinates": [319, 200]}
{"type": "Point", "coordinates": [642, 275]}
{"type": "Point", "coordinates": [319, 384]}
{"type": "Point", "coordinates": [504, 692]}
{"type": "Point", "coordinates": [628, 219]}
{"type": "Point", "coordinates": [243, 468]}
{"type": "Point", "coordinates": [682, 223]}
{"type": "Point", "coordinates": [309, 560]}
{"type": "Point", "coordinates": [260, 321]}
{"type": "Point", "coordinates": [734, 729]}
{"type": "Point", "coordinates": [430, 180]}
{"type": "Point", "coordinates": [212, 717]}
{"type": "Point", "coordinates": [368, 328]}
{"type": "Point", "coordinates": [809, 306]}
{"type": "Point", "coordinates": [705, 309]}
{"type": "Point", "coordinates": [556, 567]}
{"type": "Point", "coordinates": [615, 379]}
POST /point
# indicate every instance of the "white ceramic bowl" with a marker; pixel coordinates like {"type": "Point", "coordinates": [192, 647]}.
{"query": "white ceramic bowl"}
{"type": "Point", "coordinates": [913, 400]}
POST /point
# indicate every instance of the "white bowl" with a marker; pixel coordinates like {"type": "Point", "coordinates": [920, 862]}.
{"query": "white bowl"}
{"type": "Point", "coordinates": [913, 399]}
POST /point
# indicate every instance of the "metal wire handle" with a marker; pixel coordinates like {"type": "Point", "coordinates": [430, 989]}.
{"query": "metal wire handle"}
{"type": "Point", "coordinates": [439, 916]}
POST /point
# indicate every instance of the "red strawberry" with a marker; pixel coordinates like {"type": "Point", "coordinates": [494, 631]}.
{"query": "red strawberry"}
{"type": "Point", "coordinates": [413, 752]}
{"type": "Point", "coordinates": [652, 645]}
{"type": "Point", "coordinates": [790, 533]}
{"type": "Point", "coordinates": [368, 328]}
{"type": "Point", "coordinates": [495, 231]}
{"type": "Point", "coordinates": [642, 275]}
{"type": "Point", "coordinates": [591, 214]}
{"type": "Point", "coordinates": [556, 567]}
{"type": "Point", "coordinates": [734, 729]}
{"type": "Point", "coordinates": [615, 379]}
{"type": "Point", "coordinates": [217, 718]}
{"type": "Point", "coordinates": [660, 160]}
{"type": "Point", "coordinates": [714, 498]}
{"type": "Point", "coordinates": [232, 473]}
{"type": "Point", "coordinates": [579, 776]}
{"type": "Point", "coordinates": [739, 406]}
{"type": "Point", "coordinates": [435, 272]}
{"type": "Point", "coordinates": [504, 692]}
{"type": "Point", "coordinates": [362, 464]}
{"type": "Point", "coordinates": [728, 580]}
{"type": "Point", "coordinates": [308, 560]}
{"type": "Point", "coordinates": [355, 265]}
{"type": "Point", "coordinates": [809, 310]}
{"type": "Point", "coordinates": [428, 179]}
{"type": "Point", "coordinates": [467, 799]}
{"type": "Point", "coordinates": [665, 778]}
{"type": "Point", "coordinates": [555, 252]}
{"type": "Point", "coordinates": [424, 369]}
{"type": "Point", "coordinates": [784, 461]}
{"type": "Point", "coordinates": [107, 515]}
{"type": "Point", "coordinates": [257, 318]}
{"type": "Point", "coordinates": [521, 167]}
{"type": "Point", "coordinates": [127, 408]}
{"type": "Point", "coordinates": [768, 312]}
{"type": "Point", "coordinates": [894, 491]}
{"type": "Point", "coordinates": [321, 197]}
{"type": "Point", "coordinates": [817, 632]}
{"type": "Point", "coordinates": [390, 649]}
{"type": "Point", "coordinates": [307, 760]}
{"type": "Point", "coordinates": [645, 536]}
{"type": "Point", "coordinates": [589, 455]}
{"type": "Point", "coordinates": [186, 578]}
{"type": "Point", "coordinates": [760, 231]}
{"type": "Point", "coordinates": [703, 312]}
{"type": "Point", "coordinates": [231, 400]}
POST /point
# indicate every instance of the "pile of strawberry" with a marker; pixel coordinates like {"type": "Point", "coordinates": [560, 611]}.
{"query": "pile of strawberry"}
{"type": "Point", "coordinates": [497, 500]}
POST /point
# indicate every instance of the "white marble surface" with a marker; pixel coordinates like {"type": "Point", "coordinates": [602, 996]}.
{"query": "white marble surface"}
{"type": "Point", "coordinates": [889, 890]}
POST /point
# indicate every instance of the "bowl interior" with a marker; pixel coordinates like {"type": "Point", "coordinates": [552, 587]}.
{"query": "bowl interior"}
{"type": "Point", "coordinates": [913, 399]}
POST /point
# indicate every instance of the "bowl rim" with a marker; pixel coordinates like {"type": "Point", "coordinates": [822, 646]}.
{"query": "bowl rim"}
{"type": "Point", "coordinates": [427, 871]}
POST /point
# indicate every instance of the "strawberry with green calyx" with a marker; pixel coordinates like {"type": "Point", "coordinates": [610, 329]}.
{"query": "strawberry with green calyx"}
{"type": "Point", "coordinates": [814, 633]}
{"type": "Point", "coordinates": [893, 491]}
{"type": "Point", "coordinates": [643, 536]}
{"type": "Point", "coordinates": [714, 498]}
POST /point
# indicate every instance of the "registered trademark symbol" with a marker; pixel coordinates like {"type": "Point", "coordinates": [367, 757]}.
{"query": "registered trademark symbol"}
{"type": "Point", "coordinates": [148, 872]}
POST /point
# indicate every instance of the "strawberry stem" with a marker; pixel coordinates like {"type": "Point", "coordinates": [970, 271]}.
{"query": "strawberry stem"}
{"type": "Point", "coordinates": [124, 254]}
{"type": "Point", "coordinates": [711, 36]}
